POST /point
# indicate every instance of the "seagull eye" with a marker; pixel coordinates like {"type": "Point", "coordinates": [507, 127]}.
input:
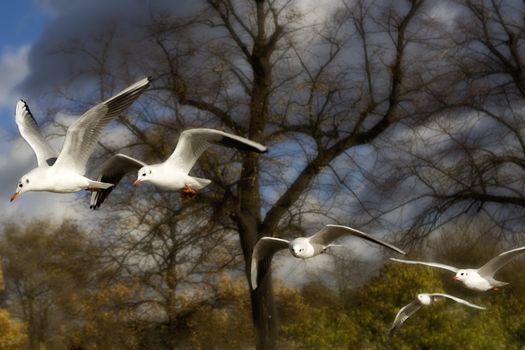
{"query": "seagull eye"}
{"type": "Point", "coordinates": [143, 174]}
{"type": "Point", "coordinates": [462, 274]}
{"type": "Point", "coordinates": [20, 185]}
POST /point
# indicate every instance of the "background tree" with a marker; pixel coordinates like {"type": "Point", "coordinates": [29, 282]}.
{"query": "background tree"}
{"type": "Point", "coordinates": [316, 93]}
{"type": "Point", "coordinates": [12, 333]}
{"type": "Point", "coordinates": [267, 85]}
{"type": "Point", "coordinates": [61, 285]}
{"type": "Point", "coordinates": [467, 162]}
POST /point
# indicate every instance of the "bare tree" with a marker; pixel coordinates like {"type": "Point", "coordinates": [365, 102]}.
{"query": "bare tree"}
{"type": "Point", "coordinates": [469, 159]}
{"type": "Point", "coordinates": [317, 92]}
{"type": "Point", "coordinates": [256, 78]}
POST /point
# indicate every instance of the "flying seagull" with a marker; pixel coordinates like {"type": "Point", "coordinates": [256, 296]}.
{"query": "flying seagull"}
{"type": "Point", "coordinates": [481, 279]}
{"type": "Point", "coordinates": [171, 174]}
{"type": "Point", "coordinates": [423, 299]}
{"type": "Point", "coordinates": [64, 172]}
{"type": "Point", "coordinates": [302, 247]}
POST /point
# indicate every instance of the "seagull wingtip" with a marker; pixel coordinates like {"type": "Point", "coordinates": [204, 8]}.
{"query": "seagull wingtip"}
{"type": "Point", "coordinates": [253, 284]}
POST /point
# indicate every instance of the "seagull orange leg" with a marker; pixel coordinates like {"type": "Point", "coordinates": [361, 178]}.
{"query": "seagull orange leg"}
{"type": "Point", "coordinates": [188, 191]}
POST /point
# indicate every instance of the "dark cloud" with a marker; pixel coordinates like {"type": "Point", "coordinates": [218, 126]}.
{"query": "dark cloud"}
{"type": "Point", "coordinates": [64, 50]}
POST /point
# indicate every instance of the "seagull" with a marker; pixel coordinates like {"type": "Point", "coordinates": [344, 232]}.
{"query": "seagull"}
{"type": "Point", "coordinates": [171, 174]}
{"type": "Point", "coordinates": [481, 279]}
{"type": "Point", "coordinates": [302, 247]}
{"type": "Point", "coordinates": [64, 172]}
{"type": "Point", "coordinates": [424, 299]}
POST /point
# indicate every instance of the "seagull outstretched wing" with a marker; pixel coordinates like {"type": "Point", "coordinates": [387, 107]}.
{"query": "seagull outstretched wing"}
{"type": "Point", "coordinates": [456, 299]}
{"type": "Point", "coordinates": [113, 171]}
{"type": "Point", "coordinates": [496, 263]}
{"type": "Point", "coordinates": [432, 264]}
{"type": "Point", "coordinates": [262, 256]}
{"type": "Point", "coordinates": [83, 134]}
{"type": "Point", "coordinates": [28, 128]}
{"type": "Point", "coordinates": [193, 142]}
{"type": "Point", "coordinates": [330, 233]}
{"type": "Point", "coordinates": [403, 314]}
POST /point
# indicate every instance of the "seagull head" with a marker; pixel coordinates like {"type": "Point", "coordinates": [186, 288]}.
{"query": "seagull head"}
{"type": "Point", "coordinates": [424, 299]}
{"type": "Point", "coordinates": [24, 184]}
{"type": "Point", "coordinates": [144, 174]}
{"type": "Point", "coordinates": [461, 275]}
{"type": "Point", "coordinates": [301, 248]}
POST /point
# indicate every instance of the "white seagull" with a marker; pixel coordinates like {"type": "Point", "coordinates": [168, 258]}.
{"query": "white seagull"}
{"type": "Point", "coordinates": [481, 279]}
{"type": "Point", "coordinates": [302, 247]}
{"type": "Point", "coordinates": [64, 173]}
{"type": "Point", "coordinates": [171, 174]}
{"type": "Point", "coordinates": [424, 299]}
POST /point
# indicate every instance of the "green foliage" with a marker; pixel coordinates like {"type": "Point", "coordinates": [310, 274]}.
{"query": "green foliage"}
{"type": "Point", "coordinates": [317, 328]}
{"type": "Point", "coordinates": [444, 325]}
{"type": "Point", "coordinates": [225, 323]}
{"type": "Point", "coordinates": [76, 298]}
{"type": "Point", "coordinates": [311, 325]}
{"type": "Point", "coordinates": [377, 303]}
{"type": "Point", "coordinates": [361, 318]}
{"type": "Point", "coordinates": [12, 333]}
{"type": "Point", "coordinates": [56, 283]}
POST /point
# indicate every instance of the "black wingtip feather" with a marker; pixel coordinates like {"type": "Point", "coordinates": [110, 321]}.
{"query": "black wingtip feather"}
{"type": "Point", "coordinates": [99, 198]}
{"type": "Point", "coordinates": [26, 106]}
{"type": "Point", "coordinates": [233, 143]}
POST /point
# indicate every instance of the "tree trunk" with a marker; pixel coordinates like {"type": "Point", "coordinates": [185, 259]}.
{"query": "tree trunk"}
{"type": "Point", "coordinates": [249, 221]}
{"type": "Point", "coordinates": [264, 314]}
{"type": "Point", "coordinates": [262, 300]}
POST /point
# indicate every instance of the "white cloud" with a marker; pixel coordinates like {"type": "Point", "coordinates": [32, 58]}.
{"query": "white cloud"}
{"type": "Point", "coordinates": [445, 13]}
{"type": "Point", "coordinates": [316, 12]}
{"type": "Point", "coordinates": [14, 68]}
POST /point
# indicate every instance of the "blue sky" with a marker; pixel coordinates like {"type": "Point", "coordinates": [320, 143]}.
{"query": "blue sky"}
{"type": "Point", "coordinates": [21, 23]}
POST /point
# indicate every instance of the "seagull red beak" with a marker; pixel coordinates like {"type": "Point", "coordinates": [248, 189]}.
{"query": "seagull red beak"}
{"type": "Point", "coordinates": [136, 183]}
{"type": "Point", "coordinates": [14, 195]}
{"type": "Point", "coordinates": [455, 278]}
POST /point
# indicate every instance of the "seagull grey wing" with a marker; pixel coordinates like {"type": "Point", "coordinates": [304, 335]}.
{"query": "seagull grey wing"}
{"type": "Point", "coordinates": [432, 264]}
{"type": "Point", "coordinates": [193, 142]}
{"type": "Point", "coordinates": [28, 127]}
{"type": "Point", "coordinates": [330, 233]}
{"type": "Point", "coordinates": [403, 314]}
{"type": "Point", "coordinates": [262, 256]}
{"type": "Point", "coordinates": [83, 134]}
{"type": "Point", "coordinates": [496, 263]}
{"type": "Point", "coordinates": [113, 170]}
{"type": "Point", "coordinates": [456, 299]}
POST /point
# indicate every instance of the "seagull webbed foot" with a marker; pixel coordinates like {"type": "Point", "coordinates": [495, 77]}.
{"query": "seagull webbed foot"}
{"type": "Point", "coordinates": [188, 192]}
